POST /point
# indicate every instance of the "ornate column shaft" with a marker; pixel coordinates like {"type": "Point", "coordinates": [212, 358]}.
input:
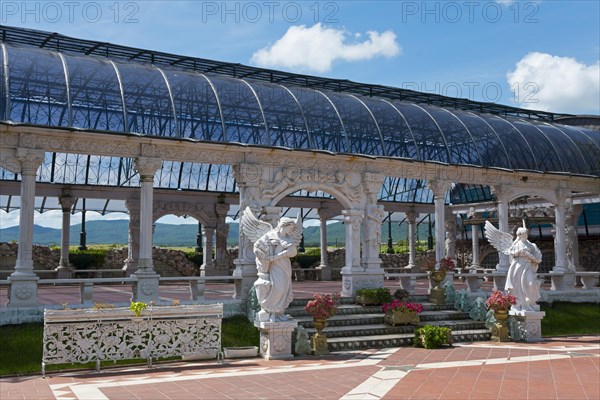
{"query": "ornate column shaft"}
{"type": "Point", "coordinates": [23, 281]}
{"type": "Point", "coordinates": [146, 288]}
{"type": "Point", "coordinates": [476, 263]}
{"type": "Point", "coordinates": [207, 255]}
{"type": "Point", "coordinates": [412, 231]}
{"type": "Point", "coordinates": [64, 269]}
{"type": "Point", "coordinates": [248, 178]}
{"type": "Point", "coordinates": [560, 243]}
{"type": "Point", "coordinates": [450, 243]}
{"type": "Point", "coordinates": [502, 196]}
{"type": "Point", "coordinates": [371, 238]}
{"type": "Point", "coordinates": [133, 247]}
{"type": "Point", "coordinates": [352, 220]}
{"type": "Point", "coordinates": [271, 215]}
{"type": "Point", "coordinates": [222, 233]}
{"type": "Point", "coordinates": [324, 215]}
{"type": "Point", "coordinates": [439, 189]}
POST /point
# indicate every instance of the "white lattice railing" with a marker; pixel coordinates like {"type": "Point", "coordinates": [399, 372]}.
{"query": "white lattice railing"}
{"type": "Point", "coordinates": [82, 336]}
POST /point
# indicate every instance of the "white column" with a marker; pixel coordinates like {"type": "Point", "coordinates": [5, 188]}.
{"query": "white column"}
{"type": "Point", "coordinates": [133, 245]}
{"type": "Point", "coordinates": [439, 189]}
{"type": "Point", "coordinates": [352, 220]}
{"type": "Point", "coordinates": [271, 215]}
{"type": "Point", "coordinates": [503, 226]}
{"type": "Point", "coordinates": [412, 230]}
{"type": "Point", "coordinates": [371, 237]}
{"type": "Point", "coordinates": [323, 266]}
{"type": "Point", "coordinates": [221, 267]}
{"type": "Point", "coordinates": [560, 242]}
{"type": "Point", "coordinates": [23, 281]}
{"type": "Point", "coordinates": [146, 287]}
{"type": "Point", "coordinates": [475, 264]}
{"type": "Point", "coordinates": [146, 167]}
{"type": "Point", "coordinates": [207, 255]}
{"type": "Point", "coordinates": [64, 268]}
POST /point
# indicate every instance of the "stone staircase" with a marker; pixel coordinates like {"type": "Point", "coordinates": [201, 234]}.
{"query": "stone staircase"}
{"type": "Point", "coordinates": [357, 327]}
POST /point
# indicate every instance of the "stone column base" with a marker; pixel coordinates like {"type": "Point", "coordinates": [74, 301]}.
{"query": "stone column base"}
{"type": "Point", "coordinates": [249, 275]}
{"type": "Point", "coordinates": [531, 322]}
{"type": "Point", "coordinates": [145, 289]}
{"type": "Point", "coordinates": [499, 282]}
{"type": "Point", "coordinates": [324, 272]}
{"type": "Point", "coordinates": [353, 280]}
{"type": "Point", "coordinates": [64, 272]}
{"type": "Point", "coordinates": [276, 339]}
{"type": "Point", "coordinates": [22, 291]}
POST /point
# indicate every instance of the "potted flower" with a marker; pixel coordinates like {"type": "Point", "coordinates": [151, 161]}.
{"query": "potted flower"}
{"type": "Point", "coordinates": [437, 275]}
{"type": "Point", "coordinates": [500, 303]}
{"type": "Point", "coordinates": [137, 307]}
{"type": "Point", "coordinates": [401, 312]}
{"type": "Point", "coordinates": [321, 307]}
{"type": "Point", "coordinates": [377, 296]}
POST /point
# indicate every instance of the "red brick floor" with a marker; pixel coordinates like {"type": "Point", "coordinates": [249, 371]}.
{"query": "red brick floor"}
{"type": "Point", "coordinates": [557, 368]}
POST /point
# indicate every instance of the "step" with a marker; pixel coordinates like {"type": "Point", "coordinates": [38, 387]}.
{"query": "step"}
{"type": "Point", "coordinates": [398, 340]}
{"type": "Point", "coordinates": [378, 317]}
{"type": "Point", "coordinates": [383, 329]}
{"type": "Point", "coordinates": [348, 309]}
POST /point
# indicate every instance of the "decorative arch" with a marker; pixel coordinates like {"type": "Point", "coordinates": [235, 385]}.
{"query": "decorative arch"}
{"type": "Point", "coordinates": [206, 217]}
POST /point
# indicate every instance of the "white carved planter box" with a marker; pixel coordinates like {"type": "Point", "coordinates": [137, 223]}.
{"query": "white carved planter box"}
{"type": "Point", "coordinates": [241, 352]}
{"type": "Point", "coordinates": [82, 336]}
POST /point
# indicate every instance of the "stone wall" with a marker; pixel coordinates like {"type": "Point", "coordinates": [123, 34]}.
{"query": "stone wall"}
{"type": "Point", "coordinates": [175, 263]}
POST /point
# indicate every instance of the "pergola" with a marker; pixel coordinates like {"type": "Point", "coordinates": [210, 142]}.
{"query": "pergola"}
{"type": "Point", "coordinates": [166, 134]}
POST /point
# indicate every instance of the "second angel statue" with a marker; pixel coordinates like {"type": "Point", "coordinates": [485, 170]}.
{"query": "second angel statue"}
{"type": "Point", "coordinates": [273, 248]}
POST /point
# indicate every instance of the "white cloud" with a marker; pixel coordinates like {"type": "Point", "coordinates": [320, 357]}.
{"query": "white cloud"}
{"type": "Point", "coordinates": [551, 83]}
{"type": "Point", "coordinates": [505, 2]}
{"type": "Point", "coordinates": [317, 47]}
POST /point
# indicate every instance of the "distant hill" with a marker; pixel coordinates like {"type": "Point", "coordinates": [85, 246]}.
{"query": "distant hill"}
{"type": "Point", "coordinates": [115, 232]}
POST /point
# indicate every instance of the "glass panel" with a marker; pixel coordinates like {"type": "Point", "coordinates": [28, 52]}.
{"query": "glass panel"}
{"type": "Point", "coordinates": [323, 122]}
{"type": "Point", "coordinates": [287, 127]}
{"type": "Point", "coordinates": [6, 175]}
{"type": "Point", "coordinates": [198, 115]}
{"type": "Point", "coordinates": [96, 101]}
{"type": "Point", "coordinates": [243, 118]}
{"type": "Point", "coordinates": [38, 89]}
{"type": "Point", "coordinates": [405, 191]}
{"type": "Point", "coordinates": [459, 141]}
{"type": "Point", "coordinates": [147, 100]}
{"type": "Point", "coordinates": [572, 160]}
{"type": "Point", "coordinates": [467, 193]}
{"type": "Point", "coordinates": [398, 139]}
{"type": "Point", "coordinates": [489, 146]}
{"type": "Point", "coordinates": [168, 176]}
{"type": "Point", "coordinates": [584, 139]}
{"type": "Point", "coordinates": [362, 132]}
{"type": "Point", "coordinates": [427, 135]}
{"type": "Point", "coordinates": [518, 149]}
{"type": "Point", "coordinates": [545, 154]}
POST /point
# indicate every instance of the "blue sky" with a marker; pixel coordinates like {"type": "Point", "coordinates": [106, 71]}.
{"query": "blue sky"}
{"type": "Point", "coordinates": [534, 54]}
{"type": "Point", "coordinates": [468, 49]}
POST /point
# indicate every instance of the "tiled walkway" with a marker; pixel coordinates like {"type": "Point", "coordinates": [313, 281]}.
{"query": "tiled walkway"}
{"type": "Point", "coordinates": [558, 368]}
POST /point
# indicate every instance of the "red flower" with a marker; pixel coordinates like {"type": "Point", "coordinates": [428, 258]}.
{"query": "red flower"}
{"type": "Point", "coordinates": [400, 305]}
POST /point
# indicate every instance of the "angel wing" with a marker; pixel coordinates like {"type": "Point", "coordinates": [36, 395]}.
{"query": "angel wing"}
{"type": "Point", "coordinates": [296, 233]}
{"type": "Point", "coordinates": [500, 240]}
{"type": "Point", "coordinates": [252, 227]}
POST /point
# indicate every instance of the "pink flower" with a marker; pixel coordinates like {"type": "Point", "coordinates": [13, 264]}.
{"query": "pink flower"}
{"type": "Point", "coordinates": [499, 301]}
{"type": "Point", "coordinates": [323, 306]}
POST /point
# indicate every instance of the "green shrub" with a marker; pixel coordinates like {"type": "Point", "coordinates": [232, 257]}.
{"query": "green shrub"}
{"type": "Point", "coordinates": [306, 261]}
{"type": "Point", "coordinates": [88, 259]}
{"type": "Point", "coordinates": [196, 258]}
{"type": "Point", "coordinates": [379, 296]}
{"type": "Point", "coordinates": [432, 337]}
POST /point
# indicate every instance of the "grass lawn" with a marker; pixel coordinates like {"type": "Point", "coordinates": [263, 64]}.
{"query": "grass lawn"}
{"type": "Point", "coordinates": [570, 319]}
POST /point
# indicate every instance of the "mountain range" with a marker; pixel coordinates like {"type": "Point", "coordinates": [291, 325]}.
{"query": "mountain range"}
{"type": "Point", "coordinates": [115, 232]}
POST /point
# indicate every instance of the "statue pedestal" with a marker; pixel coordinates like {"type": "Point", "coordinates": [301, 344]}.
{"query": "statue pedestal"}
{"type": "Point", "coordinates": [276, 339]}
{"type": "Point", "coordinates": [531, 322]}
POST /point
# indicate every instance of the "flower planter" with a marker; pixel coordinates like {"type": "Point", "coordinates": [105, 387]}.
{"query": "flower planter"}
{"type": "Point", "coordinates": [241, 352]}
{"type": "Point", "coordinates": [366, 300]}
{"type": "Point", "coordinates": [399, 317]}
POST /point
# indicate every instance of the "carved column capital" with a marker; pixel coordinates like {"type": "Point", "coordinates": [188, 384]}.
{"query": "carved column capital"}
{"type": "Point", "coordinates": [247, 174]}
{"type": "Point", "coordinates": [29, 160]}
{"type": "Point", "coordinates": [438, 187]}
{"type": "Point", "coordinates": [411, 216]}
{"type": "Point", "coordinates": [502, 192]}
{"type": "Point", "coordinates": [66, 202]}
{"type": "Point", "coordinates": [147, 167]}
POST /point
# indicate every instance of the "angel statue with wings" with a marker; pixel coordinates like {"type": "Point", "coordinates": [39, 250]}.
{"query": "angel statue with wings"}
{"type": "Point", "coordinates": [273, 247]}
{"type": "Point", "coordinates": [521, 279]}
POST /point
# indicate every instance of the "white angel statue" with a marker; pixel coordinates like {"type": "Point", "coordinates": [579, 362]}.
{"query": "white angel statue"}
{"type": "Point", "coordinates": [273, 248]}
{"type": "Point", "coordinates": [521, 279]}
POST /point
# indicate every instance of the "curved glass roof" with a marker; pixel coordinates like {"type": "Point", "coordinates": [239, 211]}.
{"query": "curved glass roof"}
{"type": "Point", "coordinates": [45, 87]}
